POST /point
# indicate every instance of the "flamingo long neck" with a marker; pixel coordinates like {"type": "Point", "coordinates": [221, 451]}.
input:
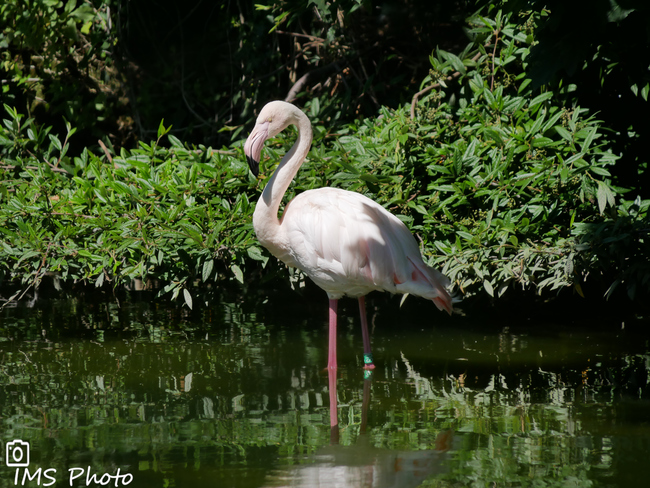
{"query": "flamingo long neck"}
{"type": "Point", "coordinates": [265, 217]}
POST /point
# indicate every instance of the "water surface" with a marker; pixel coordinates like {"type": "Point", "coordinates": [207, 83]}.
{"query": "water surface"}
{"type": "Point", "coordinates": [236, 395]}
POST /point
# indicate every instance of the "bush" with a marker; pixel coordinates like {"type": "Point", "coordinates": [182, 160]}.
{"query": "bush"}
{"type": "Point", "coordinates": [58, 64]}
{"type": "Point", "coordinates": [169, 216]}
{"type": "Point", "coordinates": [506, 186]}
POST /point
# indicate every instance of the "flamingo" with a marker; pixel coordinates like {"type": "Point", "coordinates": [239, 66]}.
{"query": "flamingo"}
{"type": "Point", "coordinates": [344, 241]}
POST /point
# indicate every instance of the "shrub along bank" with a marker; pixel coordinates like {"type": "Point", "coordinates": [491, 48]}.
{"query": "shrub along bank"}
{"type": "Point", "coordinates": [507, 187]}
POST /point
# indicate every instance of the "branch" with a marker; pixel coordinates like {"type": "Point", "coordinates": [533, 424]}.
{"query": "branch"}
{"type": "Point", "coordinates": [299, 85]}
{"type": "Point", "coordinates": [295, 34]}
{"type": "Point", "coordinates": [10, 167]}
{"type": "Point", "coordinates": [494, 53]}
{"type": "Point", "coordinates": [106, 151]}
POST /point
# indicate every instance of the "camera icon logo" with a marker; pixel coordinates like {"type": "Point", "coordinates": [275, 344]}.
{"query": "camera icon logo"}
{"type": "Point", "coordinates": [17, 454]}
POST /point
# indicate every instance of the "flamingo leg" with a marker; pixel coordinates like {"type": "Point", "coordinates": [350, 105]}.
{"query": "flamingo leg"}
{"type": "Point", "coordinates": [331, 358]}
{"type": "Point", "coordinates": [367, 350]}
{"type": "Point", "coordinates": [334, 418]}
{"type": "Point", "coordinates": [332, 368]}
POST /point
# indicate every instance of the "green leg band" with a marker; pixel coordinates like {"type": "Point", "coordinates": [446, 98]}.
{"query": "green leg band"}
{"type": "Point", "coordinates": [367, 358]}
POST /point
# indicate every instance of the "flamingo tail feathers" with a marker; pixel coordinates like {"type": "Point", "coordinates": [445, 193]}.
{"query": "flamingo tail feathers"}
{"type": "Point", "coordinates": [435, 284]}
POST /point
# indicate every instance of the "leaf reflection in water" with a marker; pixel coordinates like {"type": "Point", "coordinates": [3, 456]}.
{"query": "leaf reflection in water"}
{"type": "Point", "coordinates": [237, 398]}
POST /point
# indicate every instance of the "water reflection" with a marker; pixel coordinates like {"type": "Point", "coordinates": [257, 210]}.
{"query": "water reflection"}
{"type": "Point", "coordinates": [237, 395]}
{"type": "Point", "coordinates": [363, 464]}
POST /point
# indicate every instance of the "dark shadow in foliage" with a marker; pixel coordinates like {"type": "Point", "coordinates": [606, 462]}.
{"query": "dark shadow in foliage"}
{"type": "Point", "coordinates": [603, 48]}
{"type": "Point", "coordinates": [204, 65]}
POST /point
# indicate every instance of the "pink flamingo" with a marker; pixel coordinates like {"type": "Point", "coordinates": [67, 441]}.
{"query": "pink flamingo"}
{"type": "Point", "coordinates": [345, 242]}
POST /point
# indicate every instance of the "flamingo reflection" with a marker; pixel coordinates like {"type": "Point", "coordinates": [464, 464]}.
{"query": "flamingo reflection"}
{"type": "Point", "coordinates": [363, 465]}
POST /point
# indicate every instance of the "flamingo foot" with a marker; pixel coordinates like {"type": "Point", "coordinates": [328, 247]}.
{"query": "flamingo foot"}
{"type": "Point", "coordinates": [368, 363]}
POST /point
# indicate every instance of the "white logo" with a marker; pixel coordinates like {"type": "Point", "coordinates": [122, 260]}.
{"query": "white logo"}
{"type": "Point", "coordinates": [17, 454]}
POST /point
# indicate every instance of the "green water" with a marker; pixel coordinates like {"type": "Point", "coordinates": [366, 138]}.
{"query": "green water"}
{"type": "Point", "coordinates": [236, 395]}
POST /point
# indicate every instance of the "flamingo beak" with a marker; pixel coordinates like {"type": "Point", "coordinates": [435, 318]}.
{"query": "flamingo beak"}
{"type": "Point", "coordinates": [254, 144]}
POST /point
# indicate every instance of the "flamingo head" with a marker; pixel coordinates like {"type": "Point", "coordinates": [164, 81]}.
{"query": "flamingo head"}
{"type": "Point", "coordinates": [273, 119]}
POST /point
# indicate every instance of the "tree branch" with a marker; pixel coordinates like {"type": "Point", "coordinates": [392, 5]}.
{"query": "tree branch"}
{"type": "Point", "coordinates": [304, 80]}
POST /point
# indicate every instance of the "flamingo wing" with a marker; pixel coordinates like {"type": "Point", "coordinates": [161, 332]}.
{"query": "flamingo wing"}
{"type": "Point", "coordinates": [350, 245]}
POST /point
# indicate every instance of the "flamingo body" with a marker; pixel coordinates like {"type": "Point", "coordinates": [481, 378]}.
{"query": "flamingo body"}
{"type": "Point", "coordinates": [350, 245]}
{"type": "Point", "coordinates": [345, 242]}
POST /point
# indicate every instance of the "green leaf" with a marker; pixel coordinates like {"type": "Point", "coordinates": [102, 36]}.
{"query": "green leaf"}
{"type": "Point", "coordinates": [100, 280]}
{"type": "Point", "coordinates": [369, 178]}
{"type": "Point", "coordinates": [524, 84]}
{"type": "Point", "coordinates": [591, 134]}
{"type": "Point", "coordinates": [564, 134]}
{"type": "Point", "coordinates": [85, 29]}
{"type": "Point", "coordinates": [162, 130]}
{"type": "Point", "coordinates": [455, 61]}
{"type": "Point", "coordinates": [188, 298]}
{"type": "Point", "coordinates": [540, 98]}
{"type": "Point", "coordinates": [208, 266]}
{"type": "Point", "coordinates": [84, 13]}
{"type": "Point", "coordinates": [315, 107]}
{"type": "Point", "coordinates": [255, 253]}
{"type": "Point", "coordinates": [605, 196]}
{"type": "Point", "coordinates": [488, 287]}
{"type": "Point", "coordinates": [239, 276]}
{"type": "Point", "coordinates": [600, 171]}
{"type": "Point", "coordinates": [278, 20]}
{"type": "Point", "coordinates": [55, 141]}
{"type": "Point", "coordinates": [175, 141]}
{"type": "Point", "coordinates": [542, 142]}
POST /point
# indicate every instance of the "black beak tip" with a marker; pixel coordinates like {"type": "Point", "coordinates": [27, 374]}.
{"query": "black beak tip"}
{"type": "Point", "coordinates": [253, 165]}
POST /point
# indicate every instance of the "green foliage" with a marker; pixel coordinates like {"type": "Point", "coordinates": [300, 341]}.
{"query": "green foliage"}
{"type": "Point", "coordinates": [115, 68]}
{"type": "Point", "coordinates": [616, 249]}
{"type": "Point", "coordinates": [605, 58]}
{"type": "Point", "coordinates": [171, 215]}
{"type": "Point", "coordinates": [57, 63]}
{"type": "Point", "coordinates": [566, 47]}
{"type": "Point", "coordinates": [506, 185]}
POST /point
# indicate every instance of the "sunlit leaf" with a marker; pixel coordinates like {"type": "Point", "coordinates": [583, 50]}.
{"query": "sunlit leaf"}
{"type": "Point", "coordinates": [488, 287]}
{"type": "Point", "coordinates": [187, 296]}
{"type": "Point", "coordinates": [208, 266]}
{"type": "Point", "coordinates": [605, 197]}
{"type": "Point", "coordinates": [540, 99]}
{"type": "Point", "coordinates": [239, 275]}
